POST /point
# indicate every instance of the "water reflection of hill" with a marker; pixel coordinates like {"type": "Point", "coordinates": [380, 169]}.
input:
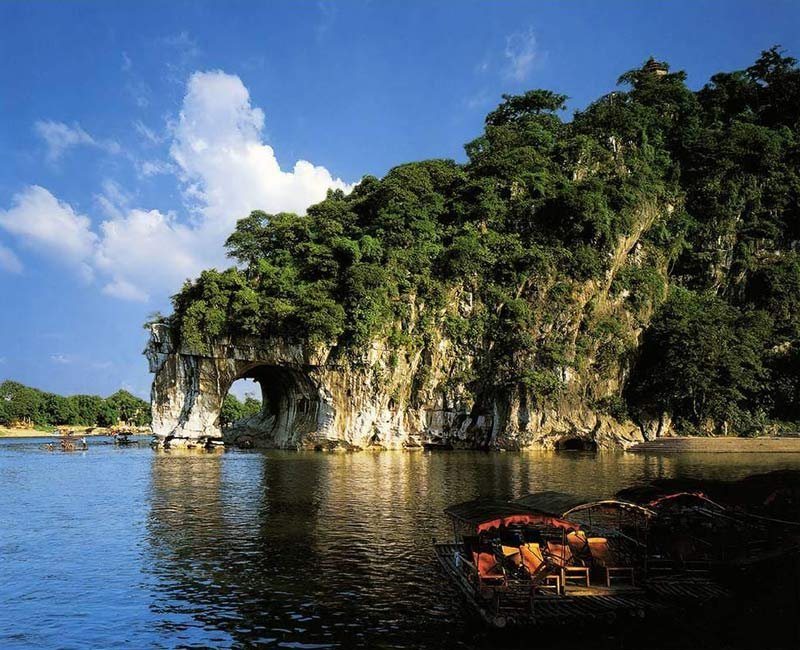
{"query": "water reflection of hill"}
{"type": "Point", "coordinates": [334, 549]}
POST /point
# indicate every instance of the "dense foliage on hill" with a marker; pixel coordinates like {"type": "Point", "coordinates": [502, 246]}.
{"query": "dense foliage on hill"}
{"type": "Point", "coordinates": [649, 247]}
{"type": "Point", "coordinates": [21, 404]}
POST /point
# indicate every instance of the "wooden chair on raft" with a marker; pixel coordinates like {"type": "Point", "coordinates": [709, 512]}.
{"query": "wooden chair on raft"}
{"type": "Point", "coordinates": [611, 561]}
{"type": "Point", "coordinates": [568, 558]}
{"type": "Point", "coordinates": [542, 577]}
{"type": "Point", "coordinates": [489, 572]}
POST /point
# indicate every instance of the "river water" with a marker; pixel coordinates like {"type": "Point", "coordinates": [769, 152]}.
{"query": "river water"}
{"type": "Point", "coordinates": [128, 547]}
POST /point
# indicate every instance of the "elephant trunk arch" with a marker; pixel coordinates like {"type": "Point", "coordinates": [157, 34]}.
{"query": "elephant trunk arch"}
{"type": "Point", "coordinates": [189, 389]}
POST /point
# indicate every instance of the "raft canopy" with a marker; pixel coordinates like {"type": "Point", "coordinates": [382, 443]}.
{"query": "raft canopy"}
{"type": "Point", "coordinates": [685, 498]}
{"type": "Point", "coordinates": [481, 515]}
{"type": "Point", "coordinates": [551, 502]}
{"type": "Point", "coordinates": [565, 505]}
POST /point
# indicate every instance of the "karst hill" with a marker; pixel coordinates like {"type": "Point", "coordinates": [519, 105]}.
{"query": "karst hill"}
{"type": "Point", "coordinates": [597, 281]}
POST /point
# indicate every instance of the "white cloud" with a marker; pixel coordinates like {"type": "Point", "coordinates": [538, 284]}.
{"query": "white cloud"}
{"type": "Point", "coordinates": [179, 50]}
{"type": "Point", "coordinates": [151, 136]}
{"type": "Point", "coordinates": [60, 358]}
{"type": "Point", "coordinates": [521, 54]}
{"type": "Point", "coordinates": [59, 137]}
{"type": "Point", "coordinates": [225, 165]}
{"type": "Point", "coordinates": [225, 169]}
{"type": "Point", "coordinates": [147, 168]}
{"type": "Point", "coordinates": [127, 62]}
{"type": "Point", "coordinates": [47, 225]}
{"type": "Point", "coordinates": [139, 92]}
{"type": "Point", "coordinates": [483, 65]}
{"type": "Point", "coordinates": [185, 45]}
{"type": "Point", "coordinates": [124, 290]}
{"type": "Point", "coordinates": [9, 261]}
{"type": "Point", "coordinates": [147, 252]}
{"type": "Point", "coordinates": [481, 99]}
{"type": "Point", "coordinates": [327, 11]}
{"type": "Point", "coordinates": [113, 201]}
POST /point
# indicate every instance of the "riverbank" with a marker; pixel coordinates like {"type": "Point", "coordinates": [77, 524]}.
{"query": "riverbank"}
{"type": "Point", "coordinates": [75, 430]}
{"type": "Point", "coordinates": [676, 444]}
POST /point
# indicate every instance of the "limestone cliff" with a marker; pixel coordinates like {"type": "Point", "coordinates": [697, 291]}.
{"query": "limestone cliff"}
{"type": "Point", "coordinates": [387, 395]}
{"type": "Point", "coordinates": [313, 403]}
{"type": "Point", "coordinates": [584, 282]}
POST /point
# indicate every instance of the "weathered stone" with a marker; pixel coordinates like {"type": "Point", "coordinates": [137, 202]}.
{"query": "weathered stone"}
{"type": "Point", "coordinates": [312, 402]}
{"type": "Point", "coordinates": [383, 396]}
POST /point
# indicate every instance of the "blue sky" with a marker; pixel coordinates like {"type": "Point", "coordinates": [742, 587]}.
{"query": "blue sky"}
{"type": "Point", "coordinates": [134, 134]}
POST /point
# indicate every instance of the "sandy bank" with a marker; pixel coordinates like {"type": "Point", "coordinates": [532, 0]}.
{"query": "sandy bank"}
{"type": "Point", "coordinates": [719, 445]}
{"type": "Point", "coordinates": [77, 431]}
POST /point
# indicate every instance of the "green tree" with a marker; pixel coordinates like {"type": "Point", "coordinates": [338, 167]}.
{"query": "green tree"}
{"type": "Point", "coordinates": [87, 409]}
{"type": "Point", "coordinates": [251, 406]}
{"type": "Point", "coordinates": [232, 410]}
{"type": "Point", "coordinates": [22, 403]}
{"type": "Point", "coordinates": [701, 360]}
{"type": "Point", "coordinates": [129, 408]}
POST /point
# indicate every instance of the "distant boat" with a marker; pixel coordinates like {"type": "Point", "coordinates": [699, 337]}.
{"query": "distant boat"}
{"type": "Point", "coordinates": [122, 438]}
{"type": "Point", "coordinates": [67, 442]}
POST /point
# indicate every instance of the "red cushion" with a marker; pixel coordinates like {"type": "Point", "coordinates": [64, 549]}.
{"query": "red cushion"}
{"type": "Point", "coordinates": [487, 565]}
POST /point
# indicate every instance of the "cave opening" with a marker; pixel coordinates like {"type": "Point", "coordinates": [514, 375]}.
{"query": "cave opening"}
{"type": "Point", "coordinates": [287, 411]}
{"type": "Point", "coordinates": [576, 444]}
{"type": "Point", "coordinates": [243, 400]}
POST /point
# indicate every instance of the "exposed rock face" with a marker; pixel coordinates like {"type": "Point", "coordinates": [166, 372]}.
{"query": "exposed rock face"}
{"type": "Point", "coordinates": [188, 390]}
{"type": "Point", "coordinates": [394, 396]}
{"type": "Point", "coordinates": [314, 401]}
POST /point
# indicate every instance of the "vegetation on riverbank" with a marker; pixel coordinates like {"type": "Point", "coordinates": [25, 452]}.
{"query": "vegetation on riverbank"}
{"type": "Point", "coordinates": [233, 409]}
{"type": "Point", "coordinates": [32, 408]}
{"type": "Point", "coordinates": [642, 258]}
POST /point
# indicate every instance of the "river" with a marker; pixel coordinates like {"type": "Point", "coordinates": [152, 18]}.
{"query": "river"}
{"type": "Point", "coordinates": [128, 547]}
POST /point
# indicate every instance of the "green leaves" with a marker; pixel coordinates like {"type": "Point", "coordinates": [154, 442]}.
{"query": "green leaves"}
{"type": "Point", "coordinates": [26, 405]}
{"type": "Point", "coordinates": [233, 409]}
{"type": "Point", "coordinates": [701, 360]}
{"type": "Point", "coordinates": [520, 107]}
{"type": "Point", "coordinates": [545, 256]}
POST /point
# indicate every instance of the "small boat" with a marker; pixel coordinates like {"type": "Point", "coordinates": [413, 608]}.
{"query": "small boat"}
{"type": "Point", "coordinates": [66, 443]}
{"type": "Point", "coordinates": [122, 438]}
{"type": "Point", "coordinates": [517, 564]}
{"type": "Point", "coordinates": [691, 529]}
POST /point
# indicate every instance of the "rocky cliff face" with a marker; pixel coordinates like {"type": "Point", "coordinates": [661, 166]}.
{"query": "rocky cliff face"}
{"type": "Point", "coordinates": [310, 403]}
{"type": "Point", "coordinates": [393, 397]}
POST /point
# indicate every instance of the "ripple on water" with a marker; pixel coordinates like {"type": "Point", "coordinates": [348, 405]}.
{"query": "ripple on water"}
{"type": "Point", "coordinates": [124, 546]}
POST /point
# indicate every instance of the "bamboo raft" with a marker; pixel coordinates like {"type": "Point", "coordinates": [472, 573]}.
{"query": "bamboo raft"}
{"type": "Point", "coordinates": [518, 604]}
{"type": "Point", "coordinates": [550, 559]}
